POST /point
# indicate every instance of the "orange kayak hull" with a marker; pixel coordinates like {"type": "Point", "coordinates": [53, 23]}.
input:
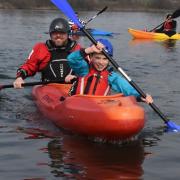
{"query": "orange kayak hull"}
{"type": "Point", "coordinates": [109, 117]}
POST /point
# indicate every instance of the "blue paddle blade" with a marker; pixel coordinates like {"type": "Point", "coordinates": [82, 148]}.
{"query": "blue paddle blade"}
{"type": "Point", "coordinates": [171, 126]}
{"type": "Point", "coordinates": [65, 7]}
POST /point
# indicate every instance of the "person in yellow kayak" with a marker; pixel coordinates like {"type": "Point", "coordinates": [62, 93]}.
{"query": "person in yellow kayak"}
{"type": "Point", "coordinates": [168, 27]}
{"type": "Point", "coordinates": [50, 57]}
{"type": "Point", "coordinates": [94, 74]}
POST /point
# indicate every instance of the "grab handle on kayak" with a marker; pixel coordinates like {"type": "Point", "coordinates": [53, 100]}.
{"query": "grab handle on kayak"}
{"type": "Point", "coordinates": [62, 98]}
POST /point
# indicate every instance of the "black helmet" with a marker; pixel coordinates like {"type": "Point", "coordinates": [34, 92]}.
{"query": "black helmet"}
{"type": "Point", "coordinates": [59, 25]}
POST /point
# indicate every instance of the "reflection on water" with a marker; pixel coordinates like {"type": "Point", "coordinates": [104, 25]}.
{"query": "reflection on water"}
{"type": "Point", "coordinates": [79, 158]}
{"type": "Point", "coordinates": [168, 44]}
{"type": "Point", "coordinates": [75, 157]}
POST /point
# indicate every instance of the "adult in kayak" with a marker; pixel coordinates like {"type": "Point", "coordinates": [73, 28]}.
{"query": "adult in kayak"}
{"type": "Point", "coordinates": [95, 76]}
{"type": "Point", "coordinates": [50, 58]}
{"type": "Point", "coordinates": [168, 27]}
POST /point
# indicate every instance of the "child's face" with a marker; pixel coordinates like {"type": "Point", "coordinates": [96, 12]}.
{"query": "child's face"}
{"type": "Point", "coordinates": [99, 61]}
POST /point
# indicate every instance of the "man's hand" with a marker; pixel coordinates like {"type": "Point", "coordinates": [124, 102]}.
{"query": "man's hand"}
{"type": "Point", "coordinates": [18, 83]}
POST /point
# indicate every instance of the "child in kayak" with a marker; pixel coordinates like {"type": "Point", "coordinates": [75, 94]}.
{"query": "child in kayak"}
{"type": "Point", "coordinates": [94, 74]}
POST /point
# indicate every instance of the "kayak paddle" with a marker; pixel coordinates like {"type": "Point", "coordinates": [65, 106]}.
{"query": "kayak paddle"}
{"type": "Point", "coordinates": [100, 12]}
{"type": "Point", "coordinates": [65, 7]}
{"type": "Point", "coordinates": [29, 84]}
{"type": "Point", "coordinates": [174, 15]}
{"type": "Point", "coordinates": [97, 14]}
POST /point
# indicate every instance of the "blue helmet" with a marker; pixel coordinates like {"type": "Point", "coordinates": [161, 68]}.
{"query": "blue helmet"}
{"type": "Point", "coordinates": [108, 46]}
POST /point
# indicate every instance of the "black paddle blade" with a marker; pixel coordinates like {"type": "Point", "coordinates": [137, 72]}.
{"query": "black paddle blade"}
{"type": "Point", "coordinates": [176, 14]}
{"type": "Point", "coordinates": [102, 10]}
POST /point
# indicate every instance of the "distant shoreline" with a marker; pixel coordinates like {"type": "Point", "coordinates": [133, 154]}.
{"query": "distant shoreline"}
{"type": "Point", "coordinates": [109, 10]}
{"type": "Point", "coordinates": [90, 5]}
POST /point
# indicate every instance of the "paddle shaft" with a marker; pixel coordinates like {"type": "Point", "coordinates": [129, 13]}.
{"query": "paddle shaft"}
{"type": "Point", "coordinates": [29, 84]}
{"type": "Point", "coordinates": [157, 27]}
{"type": "Point", "coordinates": [100, 12]}
{"type": "Point", "coordinates": [115, 64]}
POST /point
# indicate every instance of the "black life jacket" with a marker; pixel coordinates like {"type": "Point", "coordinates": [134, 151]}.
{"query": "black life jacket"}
{"type": "Point", "coordinates": [58, 68]}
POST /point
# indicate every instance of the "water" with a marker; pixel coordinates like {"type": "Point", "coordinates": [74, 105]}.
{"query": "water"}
{"type": "Point", "coordinates": [32, 148]}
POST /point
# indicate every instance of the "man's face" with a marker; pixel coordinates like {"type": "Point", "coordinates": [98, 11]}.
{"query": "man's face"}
{"type": "Point", "coordinates": [99, 61]}
{"type": "Point", "coordinates": [59, 38]}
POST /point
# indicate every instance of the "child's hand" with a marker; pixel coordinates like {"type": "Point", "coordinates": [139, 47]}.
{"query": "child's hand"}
{"type": "Point", "coordinates": [148, 99]}
{"type": "Point", "coordinates": [94, 49]}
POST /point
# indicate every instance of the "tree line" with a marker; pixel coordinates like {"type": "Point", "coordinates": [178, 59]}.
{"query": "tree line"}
{"type": "Point", "coordinates": [92, 4]}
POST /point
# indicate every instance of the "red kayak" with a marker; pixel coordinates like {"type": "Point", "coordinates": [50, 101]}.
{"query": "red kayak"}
{"type": "Point", "coordinates": [107, 117]}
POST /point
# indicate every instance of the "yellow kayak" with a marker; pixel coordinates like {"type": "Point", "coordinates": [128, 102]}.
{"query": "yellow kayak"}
{"type": "Point", "coordinates": [140, 34]}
